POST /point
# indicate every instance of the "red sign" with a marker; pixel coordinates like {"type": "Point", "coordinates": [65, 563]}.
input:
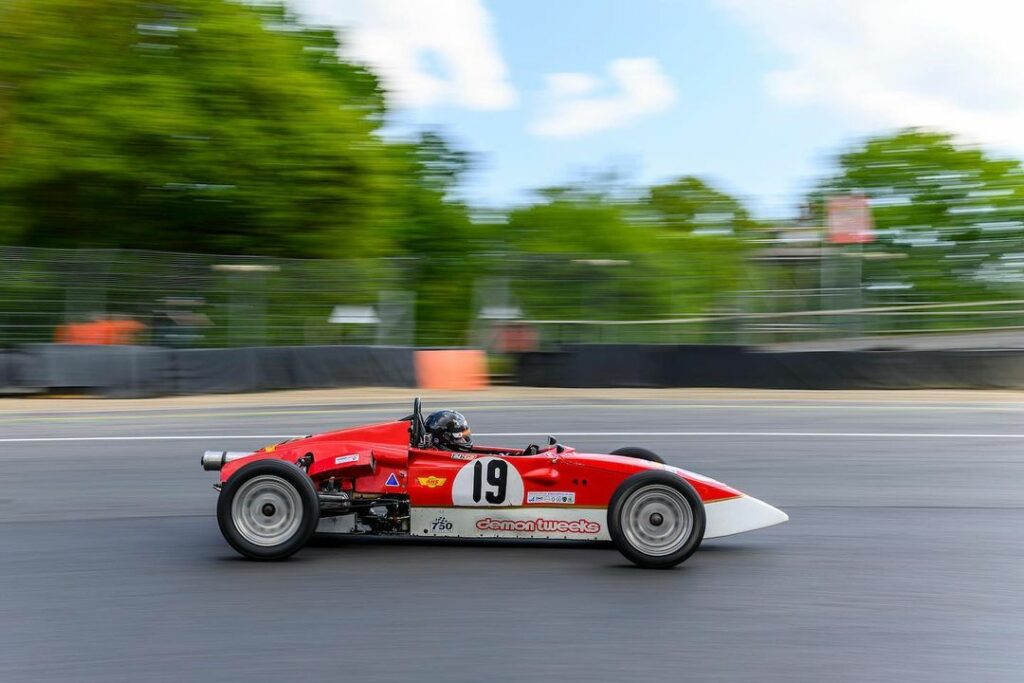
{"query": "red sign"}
{"type": "Point", "coordinates": [849, 220]}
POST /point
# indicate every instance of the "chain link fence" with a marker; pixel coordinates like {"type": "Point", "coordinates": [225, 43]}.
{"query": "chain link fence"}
{"type": "Point", "coordinates": [202, 300]}
{"type": "Point", "coordinates": [190, 300]}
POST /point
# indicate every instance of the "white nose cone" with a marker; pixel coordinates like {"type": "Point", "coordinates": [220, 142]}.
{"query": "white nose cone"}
{"type": "Point", "coordinates": [736, 515]}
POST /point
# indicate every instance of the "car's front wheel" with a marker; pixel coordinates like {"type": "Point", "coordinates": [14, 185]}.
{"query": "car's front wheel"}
{"type": "Point", "coordinates": [656, 519]}
{"type": "Point", "coordinates": [268, 510]}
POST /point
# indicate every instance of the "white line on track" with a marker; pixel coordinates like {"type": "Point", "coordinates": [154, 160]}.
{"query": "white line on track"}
{"type": "Point", "coordinates": [824, 435]}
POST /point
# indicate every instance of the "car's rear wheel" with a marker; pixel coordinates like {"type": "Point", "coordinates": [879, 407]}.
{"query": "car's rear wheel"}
{"type": "Point", "coordinates": [639, 454]}
{"type": "Point", "coordinates": [656, 519]}
{"type": "Point", "coordinates": [268, 510]}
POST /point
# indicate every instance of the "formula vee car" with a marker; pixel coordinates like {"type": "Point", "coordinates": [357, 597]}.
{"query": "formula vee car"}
{"type": "Point", "coordinates": [391, 479]}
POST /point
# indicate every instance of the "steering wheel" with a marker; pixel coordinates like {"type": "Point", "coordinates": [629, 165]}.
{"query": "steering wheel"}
{"type": "Point", "coordinates": [534, 449]}
{"type": "Point", "coordinates": [417, 429]}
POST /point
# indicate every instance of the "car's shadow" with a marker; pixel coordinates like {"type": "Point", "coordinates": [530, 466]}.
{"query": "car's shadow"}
{"type": "Point", "coordinates": [399, 543]}
{"type": "Point", "coordinates": [400, 550]}
{"type": "Point", "coordinates": [341, 540]}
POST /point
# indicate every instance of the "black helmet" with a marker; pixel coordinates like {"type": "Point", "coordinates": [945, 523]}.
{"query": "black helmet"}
{"type": "Point", "coordinates": [449, 430]}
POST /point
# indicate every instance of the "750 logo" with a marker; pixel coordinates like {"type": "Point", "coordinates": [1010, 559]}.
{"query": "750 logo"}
{"type": "Point", "coordinates": [441, 524]}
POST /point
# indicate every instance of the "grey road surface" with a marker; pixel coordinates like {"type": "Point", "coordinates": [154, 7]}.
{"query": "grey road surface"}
{"type": "Point", "coordinates": [903, 559]}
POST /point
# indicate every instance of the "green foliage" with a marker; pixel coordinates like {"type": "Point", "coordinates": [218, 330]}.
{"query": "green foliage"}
{"type": "Point", "coordinates": [575, 258]}
{"type": "Point", "coordinates": [949, 212]}
{"type": "Point", "coordinates": [436, 239]}
{"type": "Point", "coordinates": [221, 127]}
{"type": "Point", "coordinates": [688, 204]}
{"type": "Point", "coordinates": [574, 222]}
{"type": "Point", "coordinates": [598, 259]}
{"type": "Point", "coordinates": [188, 125]}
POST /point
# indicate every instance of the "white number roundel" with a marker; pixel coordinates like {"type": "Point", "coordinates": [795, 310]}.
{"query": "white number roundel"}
{"type": "Point", "coordinates": [487, 482]}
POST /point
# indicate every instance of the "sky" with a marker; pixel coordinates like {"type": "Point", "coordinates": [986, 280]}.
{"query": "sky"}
{"type": "Point", "coordinates": [755, 96]}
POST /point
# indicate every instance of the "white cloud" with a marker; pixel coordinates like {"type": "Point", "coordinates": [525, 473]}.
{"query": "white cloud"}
{"type": "Point", "coordinates": [426, 52]}
{"type": "Point", "coordinates": [571, 84]}
{"type": "Point", "coordinates": [642, 88]}
{"type": "Point", "coordinates": [946, 64]}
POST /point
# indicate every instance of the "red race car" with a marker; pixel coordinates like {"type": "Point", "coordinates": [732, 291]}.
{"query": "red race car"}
{"type": "Point", "coordinates": [416, 477]}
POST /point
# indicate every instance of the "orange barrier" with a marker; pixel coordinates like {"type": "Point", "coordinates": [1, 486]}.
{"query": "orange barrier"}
{"type": "Point", "coordinates": [100, 332]}
{"type": "Point", "coordinates": [451, 369]}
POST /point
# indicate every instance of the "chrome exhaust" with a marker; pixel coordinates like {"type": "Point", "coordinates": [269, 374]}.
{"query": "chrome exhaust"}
{"type": "Point", "coordinates": [214, 460]}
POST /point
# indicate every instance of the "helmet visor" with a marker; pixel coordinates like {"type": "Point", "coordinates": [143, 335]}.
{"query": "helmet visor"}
{"type": "Point", "coordinates": [461, 437]}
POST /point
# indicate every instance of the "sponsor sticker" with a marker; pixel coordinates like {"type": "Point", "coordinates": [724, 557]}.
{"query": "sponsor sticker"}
{"type": "Point", "coordinates": [556, 526]}
{"type": "Point", "coordinates": [431, 482]}
{"type": "Point", "coordinates": [441, 523]}
{"type": "Point", "coordinates": [551, 497]}
{"type": "Point", "coordinates": [342, 459]}
{"type": "Point", "coordinates": [270, 448]}
{"type": "Point", "coordinates": [392, 480]}
{"type": "Point", "coordinates": [463, 456]}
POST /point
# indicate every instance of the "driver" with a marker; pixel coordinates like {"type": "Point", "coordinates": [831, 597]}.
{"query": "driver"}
{"type": "Point", "coordinates": [449, 431]}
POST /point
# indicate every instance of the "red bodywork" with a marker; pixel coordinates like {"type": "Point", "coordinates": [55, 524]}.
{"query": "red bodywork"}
{"type": "Point", "coordinates": [377, 460]}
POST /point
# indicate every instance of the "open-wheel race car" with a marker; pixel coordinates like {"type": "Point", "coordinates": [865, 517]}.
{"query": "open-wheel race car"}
{"type": "Point", "coordinates": [416, 477]}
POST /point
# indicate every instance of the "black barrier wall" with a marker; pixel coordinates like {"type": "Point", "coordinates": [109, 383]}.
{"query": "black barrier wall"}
{"type": "Point", "coordinates": [624, 365]}
{"type": "Point", "coordinates": [148, 371]}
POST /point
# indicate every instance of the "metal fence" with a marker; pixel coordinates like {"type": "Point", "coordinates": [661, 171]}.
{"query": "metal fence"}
{"type": "Point", "coordinates": [200, 300]}
{"type": "Point", "coordinates": [215, 301]}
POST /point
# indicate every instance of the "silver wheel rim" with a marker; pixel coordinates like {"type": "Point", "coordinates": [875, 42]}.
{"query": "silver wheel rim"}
{"type": "Point", "coordinates": [267, 510]}
{"type": "Point", "coordinates": [657, 520]}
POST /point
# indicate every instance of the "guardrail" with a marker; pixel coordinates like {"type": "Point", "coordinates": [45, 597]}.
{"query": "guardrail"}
{"type": "Point", "coordinates": [752, 328]}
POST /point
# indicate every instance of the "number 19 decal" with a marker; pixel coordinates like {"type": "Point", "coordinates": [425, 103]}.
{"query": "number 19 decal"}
{"type": "Point", "coordinates": [497, 478]}
{"type": "Point", "coordinates": [487, 482]}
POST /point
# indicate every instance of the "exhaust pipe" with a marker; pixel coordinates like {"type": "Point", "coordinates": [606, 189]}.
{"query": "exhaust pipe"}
{"type": "Point", "coordinates": [214, 460]}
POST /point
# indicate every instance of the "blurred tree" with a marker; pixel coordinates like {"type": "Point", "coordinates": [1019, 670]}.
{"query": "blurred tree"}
{"type": "Point", "coordinates": [572, 252]}
{"type": "Point", "coordinates": [688, 204]}
{"type": "Point", "coordinates": [198, 125]}
{"type": "Point", "coordinates": [434, 234]}
{"type": "Point", "coordinates": [439, 165]}
{"type": "Point", "coordinates": [574, 220]}
{"type": "Point", "coordinates": [954, 213]}
{"type": "Point", "coordinates": [595, 258]}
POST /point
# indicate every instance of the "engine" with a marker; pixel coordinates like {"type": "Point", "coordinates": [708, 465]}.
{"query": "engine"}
{"type": "Point", "coordinates": [362, 513]}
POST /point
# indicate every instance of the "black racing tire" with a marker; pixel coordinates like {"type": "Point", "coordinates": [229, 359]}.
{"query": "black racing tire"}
{"type": "Point", "coordinates": [642, 505]}
{"type": "Point", "coordinates": [268, 510]}
{"type": "Point", "coordinates": [639, 454]}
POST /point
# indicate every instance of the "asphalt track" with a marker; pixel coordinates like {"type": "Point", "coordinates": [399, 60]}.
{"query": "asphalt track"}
{"type": "Point", "coordinates": [903, 559]}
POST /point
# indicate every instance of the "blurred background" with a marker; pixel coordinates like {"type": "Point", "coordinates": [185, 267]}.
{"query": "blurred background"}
{"type": "Point", "coordinates": [207, 173]}
{"type": "Point", "coordinates": [204, 200]}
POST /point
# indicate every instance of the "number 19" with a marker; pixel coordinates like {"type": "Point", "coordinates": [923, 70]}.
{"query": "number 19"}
{"type": "Point", "coordinates": [497, 478]}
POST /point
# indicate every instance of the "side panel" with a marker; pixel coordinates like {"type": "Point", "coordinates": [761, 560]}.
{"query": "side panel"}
{"type": "Point", "coordinates": [478, 480]}
{"type": "Point", "coordinates": [579, 524]}
{"type": "Point", "coordinates": [485, 495]}
{"type": "Point", "coordinates": [470, 495]}
{"type": "Point", "coordinates": [724, 518]}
